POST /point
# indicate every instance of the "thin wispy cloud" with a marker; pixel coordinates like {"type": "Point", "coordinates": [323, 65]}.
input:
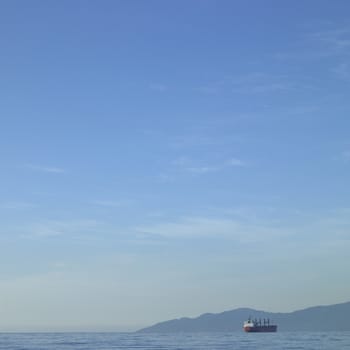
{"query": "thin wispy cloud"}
{"type": "Point", "coordinates": [311, 234]}
{"type": "Point", "coordinates": [214, 87]}
{"type": "Point", "coordinates": [337, 40]}
{"type": "Point", "coordinates": [339, 216]}
{"type": "Point", "coordinates": [59, 265]}
{"type": "Point", "coordinates": [158, 87]}
{"type": "Point", "coordinates": [260, 83]}
{"type": "Point", "coordinates": [321, 44]}
{"type": "Point", "coordinates": [235, 162]}
{"type": "Point", "coordinates": [17, 205]}
{"type": "Point", "coordinates": [342, 157]}
{"type": "Point", "coordinates": [193, 140]}
{"type": "Point", "coordinates": [181, 161]}
{"type": "Point", "coordinates": [69, 228]}
{"type": "Point", "coordinates": [210, 89]}
{"type": "Point", "coordinates": [303, 111]}
{"type": "Point", "coordinates": [165, 177]}
{"type": "Point", "coordinates": [342, 71]}
{"type": "Point", "coordinates": [249, 83]}
{"type": "Point", "coordinates": [45, 169]}
{"type": "Point", "coordinates": [186, 164]}
{"type": "Point", "coordinates": [345, 156]}
{"type": "Point", "coordinates": [201, 170]}
{"type": "Point", "coordinates": [110, 203]}
{"type": "Point", "coordinates": [232, 162]}
{"type": "Point", "coordinates": [42, 231]}
{"type": "Point", "coordinates": [220, 228]}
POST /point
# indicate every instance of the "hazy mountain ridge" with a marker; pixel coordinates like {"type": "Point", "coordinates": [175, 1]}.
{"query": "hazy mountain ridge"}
{"type": "Point", "coordinates": [317, 318]}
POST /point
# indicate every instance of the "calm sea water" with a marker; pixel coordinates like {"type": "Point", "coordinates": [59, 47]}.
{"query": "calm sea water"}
{"type": "Point", "coordinates": [237, 341]}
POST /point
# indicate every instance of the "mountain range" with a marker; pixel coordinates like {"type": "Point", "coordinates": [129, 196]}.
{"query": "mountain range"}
{"type": "Point", "coordinates": [318, 318]}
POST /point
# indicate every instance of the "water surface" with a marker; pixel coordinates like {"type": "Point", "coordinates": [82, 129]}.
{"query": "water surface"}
{"type": "Point", "coordinates": [204, 341]}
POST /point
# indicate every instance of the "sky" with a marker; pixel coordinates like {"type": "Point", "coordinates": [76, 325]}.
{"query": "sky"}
{"type": "Point", "coordinates": [162, 159]}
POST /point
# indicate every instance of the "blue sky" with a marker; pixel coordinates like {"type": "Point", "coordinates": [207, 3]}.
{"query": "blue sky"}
{"type": "Point", "coordinates": [162, 159]}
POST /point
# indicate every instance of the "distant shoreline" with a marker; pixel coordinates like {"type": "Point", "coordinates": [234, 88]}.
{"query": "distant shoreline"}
{"type": "Point", "coordinates": [317, 318]}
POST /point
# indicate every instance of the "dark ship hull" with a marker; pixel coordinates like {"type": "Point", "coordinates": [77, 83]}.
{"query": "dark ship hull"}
{"type": "Point", "coordinates": [260, 329]}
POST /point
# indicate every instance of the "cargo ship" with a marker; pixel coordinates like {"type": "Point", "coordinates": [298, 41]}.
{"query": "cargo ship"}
{"type": "Point", "coordinates": [259, 326]}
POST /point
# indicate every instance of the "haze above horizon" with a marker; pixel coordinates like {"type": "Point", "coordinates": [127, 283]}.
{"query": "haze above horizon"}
{"type": "Point", "coordinates": [163, 159]}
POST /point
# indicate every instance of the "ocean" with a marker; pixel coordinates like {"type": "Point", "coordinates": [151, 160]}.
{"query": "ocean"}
{"type": "Point", "coordinates": [204, 341]}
